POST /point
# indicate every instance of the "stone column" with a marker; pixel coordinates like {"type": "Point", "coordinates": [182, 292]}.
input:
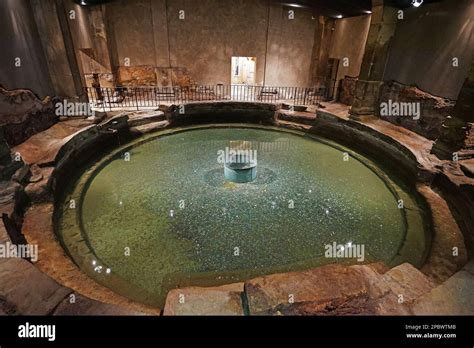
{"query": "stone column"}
{"type": "Point", "coordinates": [382, 28]}
{"type": "Point", "coordinates": [90, 42]}
{"type": "Point", "coordinates": [51, 21]}
{"type": "Point", "coordinates": [457, 132]}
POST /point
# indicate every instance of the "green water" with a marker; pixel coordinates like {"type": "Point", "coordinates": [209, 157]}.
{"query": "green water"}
{"type": "Point", "coordinates": [167, 218]}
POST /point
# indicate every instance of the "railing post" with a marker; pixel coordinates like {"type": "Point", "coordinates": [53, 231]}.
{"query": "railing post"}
{"type": "Point", "coordinates": [136, 97]}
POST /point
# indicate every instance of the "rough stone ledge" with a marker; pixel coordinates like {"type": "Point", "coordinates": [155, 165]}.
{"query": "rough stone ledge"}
{"type": "Point", "coordinates": [346, 290]}
{"type": "Point", "coordinates": [53, 261]}
{"type": "Point", "coordinates": [215, 111]}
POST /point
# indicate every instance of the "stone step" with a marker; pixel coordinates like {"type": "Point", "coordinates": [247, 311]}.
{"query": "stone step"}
{"type": "Point", "coordinates": [453, 297]}
{"type": "Point", "coordinates": [294, 125]}
{"type": "Point", "coordinates": [141, 118]}
{"type": "Point", "coordinates": [306, 118]}
{"type": "Point", "coordinates": [149, 127]}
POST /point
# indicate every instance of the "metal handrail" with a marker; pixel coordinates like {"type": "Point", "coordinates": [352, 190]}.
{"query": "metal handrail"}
{"type": "Point", "coordinates": [139, 97]}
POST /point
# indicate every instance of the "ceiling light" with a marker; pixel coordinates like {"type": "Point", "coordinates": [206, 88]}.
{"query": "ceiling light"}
{"type": "Point", "coordinates": [294, 5]}
{"type": "Point", "coordinates": [416, 3]}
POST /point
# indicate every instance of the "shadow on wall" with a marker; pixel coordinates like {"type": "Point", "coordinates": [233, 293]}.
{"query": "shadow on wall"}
{"type": "Point", "coordinates": [22, 61]}
{"type": "Point", "coordinates": [433, 47]}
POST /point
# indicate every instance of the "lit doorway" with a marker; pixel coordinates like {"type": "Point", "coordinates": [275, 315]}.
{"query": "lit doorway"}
{"type": "Point", "coordinates": [243, 70]}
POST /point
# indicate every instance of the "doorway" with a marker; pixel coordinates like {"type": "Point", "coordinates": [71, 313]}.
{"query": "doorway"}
{"type": "Point", "coordinates": [243, 70]}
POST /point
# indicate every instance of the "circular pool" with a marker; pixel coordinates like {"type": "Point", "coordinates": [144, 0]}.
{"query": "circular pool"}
{"type": "Point", "coordinates": [158, 213]}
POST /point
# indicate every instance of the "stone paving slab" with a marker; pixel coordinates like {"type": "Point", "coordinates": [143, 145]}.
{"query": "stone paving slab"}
{"type": "Point", "coordinates": [31, 291]}
{"type": "Point", "coordinates": [454, 297]}
{"type": "Point", "coordinates": [43, 147]}
{"type": "Point", "coordinates": [144, 117]}
{"type": "Point", "coordinates": [80, 305]}
{"type": "Point", "coordinates": [223, 300]}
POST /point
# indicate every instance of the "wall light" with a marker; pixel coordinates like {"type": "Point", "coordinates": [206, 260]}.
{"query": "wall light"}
{"type": "Point", "coordinates": [416, 3]}
{"type": "Point", "coordinates": [339, 16]}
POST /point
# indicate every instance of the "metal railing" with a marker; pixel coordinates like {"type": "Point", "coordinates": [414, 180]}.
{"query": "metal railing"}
{"type": "Point", "coordinates": [149, 97]}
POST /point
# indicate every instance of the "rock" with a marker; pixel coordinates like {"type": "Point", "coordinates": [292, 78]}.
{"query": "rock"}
{"type": "Point", "coordinates": [221, 300]}
{"type": "Point", "coordinates": [38, 188]}
{"type": "Point", "coordinates": [338, 290]}
{"type": "Point", "coordinates": [3, 234]}
{"type": "Point", "coordinates": [454, 297]}
{"type": "Point", "coordinates": [297, 117]}
{"type": "Point", "coordinates": [407, 281]}
{"type": "Point", "coordinates": [8, 166]}
{"type": "Point", "coordinates": [441, 263]}
{"type": "Point", "coordinates": [22, 174]}
{"type": "Point", "coordinates": [322, 289]}
{"type": "Point", "coordinates": [42, 148]}
{"type": "Point", "coordinates": [149, 127]}
{"type": "Point", "coordinates": [85, 306]}
{"type": "Point", "coordinates": [467, 166]}
{"type": "Point", "coordinates": [22, 115]}
{"type": "Point", "coordinates": [7, 308]}
{"type": "Point", "coordinates": [32, 292]}
{"type": "Point", "coordinates": [469, 267]}
{"type": "Point", "coordinates": [141, 118]}
{"type": "Point", "coordinates": [347, 91]}
{"type": "Point", "coordinates": [12, 199]}
{"type": "Point", "coordinates": [433, 110]}
{"type": "Point", "coordinates": [453, 134]}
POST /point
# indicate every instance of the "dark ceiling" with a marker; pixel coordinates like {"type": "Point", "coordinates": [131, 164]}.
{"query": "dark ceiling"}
{"type": "Point", "coordinates": [345, 8]}
{"type": "Point", "coordinates": [330, 8]}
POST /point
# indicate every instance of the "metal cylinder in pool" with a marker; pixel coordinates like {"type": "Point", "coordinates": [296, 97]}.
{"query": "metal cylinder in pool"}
{"type": "Point", "coordinates": [242, 168]}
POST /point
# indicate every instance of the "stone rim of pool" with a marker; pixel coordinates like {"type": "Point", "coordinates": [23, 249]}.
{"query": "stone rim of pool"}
{"type": "Point", "coordinates": [412, 220]}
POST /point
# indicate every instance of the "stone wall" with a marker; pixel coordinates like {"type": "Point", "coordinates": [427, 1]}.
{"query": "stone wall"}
{"type": "Point", "coordinates": [146, 33]}
{"type": "Point", "coordinates": [433, 110]}
{"type": "Point", "coordinates": [20, 40]}
{"type": "Point", "coordinates": [425, 43]}
{"type": "Point", "coordinates": [348, 42]}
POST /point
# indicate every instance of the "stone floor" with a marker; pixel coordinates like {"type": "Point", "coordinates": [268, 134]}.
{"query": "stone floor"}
{"type": "Point", "coordinates": [368, 289]}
